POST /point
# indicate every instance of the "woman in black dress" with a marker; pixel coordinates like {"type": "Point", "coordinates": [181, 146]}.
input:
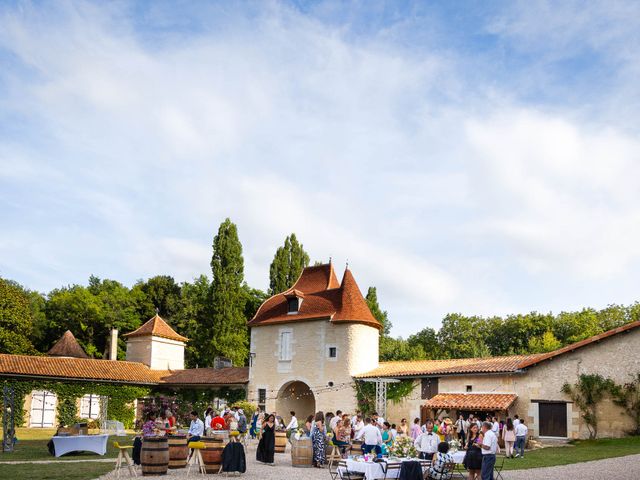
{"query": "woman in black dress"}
{"type": "Point", "coordinates": [267, 444]}
{"type": "Point", "coordinates": [473, 457]}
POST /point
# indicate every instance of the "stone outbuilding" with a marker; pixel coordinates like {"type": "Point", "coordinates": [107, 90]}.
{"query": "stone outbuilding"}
{"type": "Point", "coordinates": [525, 385]}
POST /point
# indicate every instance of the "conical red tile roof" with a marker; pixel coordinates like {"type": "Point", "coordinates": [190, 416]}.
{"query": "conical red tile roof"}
{"type": "Point", "coordinates": [67, 346]}
{"type": "Point", "coordinates": [156, 327]}
{"type": "Point", "coordinates": [323, 297]}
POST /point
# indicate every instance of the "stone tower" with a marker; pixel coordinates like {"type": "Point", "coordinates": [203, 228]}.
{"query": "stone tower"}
{"type": "Point", "coordinates": [309, 341]}
{"type": "Point", "coordinates": [156, 345]}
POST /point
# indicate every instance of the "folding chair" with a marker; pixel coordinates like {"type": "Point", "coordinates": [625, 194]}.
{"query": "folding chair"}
{"type": "Point", "coordinates": [334, 456]}
{"type": "Point", "coordinates": [497, 468]}
{"type": "Point", "coordinates": [124, 459]}
{"type": "Point", "coordinates": [393, 468]}
{"type": "Point", "coordinates": [344, 472]}
{"type": "Point", "coordinates": [447, 474]}
{"type": "Point", "coordinates": [425, 464]}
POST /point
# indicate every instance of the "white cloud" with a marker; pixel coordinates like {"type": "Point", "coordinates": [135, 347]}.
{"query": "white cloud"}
{"type": "Point", "coordinates": [134, 150]}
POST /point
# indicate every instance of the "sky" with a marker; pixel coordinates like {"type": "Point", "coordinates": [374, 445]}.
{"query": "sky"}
{"type": "Point", "coordinates": [472, 157]}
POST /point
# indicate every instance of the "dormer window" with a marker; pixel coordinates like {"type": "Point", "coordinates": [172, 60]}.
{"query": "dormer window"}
{"type": "Point", "coordinates": [294, 300]}
{"type": "Point", "coordinates": [293, 304]}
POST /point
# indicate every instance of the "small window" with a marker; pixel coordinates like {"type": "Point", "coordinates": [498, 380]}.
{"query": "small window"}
{"type": "Point", "coordinates": [293, 305]}
{"type": "Point", "coordinates": [262, 396]}
{"type": "Point", "coordinates": [333, 352]}
{"type": "Point", "coordinates": [469, 388]}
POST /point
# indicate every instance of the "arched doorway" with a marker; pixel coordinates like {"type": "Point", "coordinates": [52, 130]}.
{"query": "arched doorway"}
{"type": "Point", "coordinates": [296, 396]}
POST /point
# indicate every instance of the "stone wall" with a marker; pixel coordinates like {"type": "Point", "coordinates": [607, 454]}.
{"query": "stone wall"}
{"type": "Point", "coordinates": [617, 357]}
{"type": "Point", "coordinates": [156, 352]}
{"type": "Point", "coordinates": [330, 379]}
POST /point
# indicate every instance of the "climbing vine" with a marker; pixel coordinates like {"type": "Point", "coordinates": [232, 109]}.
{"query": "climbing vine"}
{"type": "Point", "coordinates": [366, 394]}
{"type": "Point", "coordinates": [119, 407]}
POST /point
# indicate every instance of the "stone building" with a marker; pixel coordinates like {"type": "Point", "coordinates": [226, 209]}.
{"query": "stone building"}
{"type": "Point", "coordinates": [155, 358]}
{"type": "Point", "coordinates": [309, 342]}
{"type": "Point", "coordinates": [526, 385]}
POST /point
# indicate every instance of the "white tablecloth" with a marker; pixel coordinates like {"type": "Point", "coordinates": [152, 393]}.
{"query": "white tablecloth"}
{"type": "Point", "coordinates": [81, 443]}
{"type": "Point", "coordinates": [458, 456]}
{"type": "Point", "coordinates": [371, 470]}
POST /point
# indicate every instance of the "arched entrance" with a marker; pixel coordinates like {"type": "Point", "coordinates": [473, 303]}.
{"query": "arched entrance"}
{"type": "Point", "coordinates": [296, 396]}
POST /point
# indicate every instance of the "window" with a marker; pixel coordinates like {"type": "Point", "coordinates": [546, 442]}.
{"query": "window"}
{"type": "Point", "coordinates": [262, 396]}
{"type": "Point", "coordinates": [333, 352]}
{"type": "Point", "coordinates": [43, 409]}
{"type": "Point", "coordinates": [90, 406]}
{"type": "Point", "coordinates": [285, 346]}
{"type": "Point", "coordinates": [293, 304]}
{"type": "Point", "coordinates": [469, 388]}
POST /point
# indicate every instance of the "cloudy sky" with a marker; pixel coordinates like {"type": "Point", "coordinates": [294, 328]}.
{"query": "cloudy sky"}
{"type": "Point", "coordinates": [476, 157]}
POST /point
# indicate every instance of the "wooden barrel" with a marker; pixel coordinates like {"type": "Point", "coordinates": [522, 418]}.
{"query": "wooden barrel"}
{"type": "Point", "coordinates": [220, 434]}
{"type": "Point", "coordinates": [281, 442]}
{"type": "Point", "coordinates": [356, 447]}
{"type": "Point", "coordinates": [212, 454]}
{"type": "Point", "coordinates": [178, 451]}
{"type": "Point", "coordinates": [301, 452]}
{"type": "Point", "coordinates": [154, 456]}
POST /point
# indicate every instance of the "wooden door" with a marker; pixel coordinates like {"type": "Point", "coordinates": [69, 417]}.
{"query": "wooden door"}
{"type": "Point", "coordinates": [553, 419]}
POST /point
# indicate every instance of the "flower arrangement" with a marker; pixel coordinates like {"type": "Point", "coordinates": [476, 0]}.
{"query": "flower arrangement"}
{"type": "Point", "coordinates": [403, 447]}
{"type": "Point", "coordinates": [454, 445]}
{"type": "Point", "coordinates": [299, 434]}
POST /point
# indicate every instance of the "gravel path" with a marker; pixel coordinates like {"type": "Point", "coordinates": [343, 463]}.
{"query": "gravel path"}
{"type": "Point", "coordinates": [621, 468]}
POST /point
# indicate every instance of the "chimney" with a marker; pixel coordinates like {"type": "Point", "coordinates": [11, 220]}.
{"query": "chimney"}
{"type": "Point", "coordinates": [113, 344]}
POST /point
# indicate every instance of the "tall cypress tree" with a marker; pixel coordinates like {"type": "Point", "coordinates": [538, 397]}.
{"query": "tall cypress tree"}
{"type": "Point", "coordinates": [227, 335]}
{"type": "Point", "coordinates": [287, 265]}
{"type": "Point", "coordinates": [378, 313]}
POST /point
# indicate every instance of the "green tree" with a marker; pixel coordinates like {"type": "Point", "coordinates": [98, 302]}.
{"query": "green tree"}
{"type": "Point", "coordinates": [195, 310]}
{"type": "Point", "coordinates": [226, 333]}
{"type": "Point", "coordinates": [545, 343]}
{"type": "Point", "coordinates": [161, 292]}
{"type": "Point", "coordinates": [15, 319]}
{"type": "Point", "coordinates": [587, 393]}
{"type": "Point", "coordinates": [381, 315]}
{"type": "Point", "coordinates": [287, 265]}
{"type": "Point", "coordinates": [427, 340]}
{"type": "Point", "coordinates": [253, 299]}
{"type": "Point", "coordinates": [627, 396]}
{"type": "Point", "coordinates": [395, 349]}
{"type": "Point", "coordinates": [75, 308]}
{"type": "Point", "coordinates": [462, 337]}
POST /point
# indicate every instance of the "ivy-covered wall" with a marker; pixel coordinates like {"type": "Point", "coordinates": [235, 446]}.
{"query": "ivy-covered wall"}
{"type": "Point", "coordinates": [119, 407]}
{"type": "Point", "coordinates": [366, 394]}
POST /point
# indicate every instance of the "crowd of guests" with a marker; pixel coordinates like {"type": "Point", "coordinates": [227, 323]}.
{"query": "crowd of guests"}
{"type": "Point", "coordinates": [478, 439]}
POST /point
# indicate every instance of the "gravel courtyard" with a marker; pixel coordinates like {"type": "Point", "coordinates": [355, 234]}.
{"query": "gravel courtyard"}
{"type": "Point", "coordinates": [621, 468]}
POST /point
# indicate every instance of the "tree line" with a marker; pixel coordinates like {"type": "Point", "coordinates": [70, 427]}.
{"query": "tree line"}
{"type": "Point", "coordinates": [212, 311]}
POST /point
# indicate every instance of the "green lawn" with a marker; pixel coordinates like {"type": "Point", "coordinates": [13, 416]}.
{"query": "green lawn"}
{"type": "Point", "coordinates": [52, 471]}
{"type": "Point", "coordinates": [577, 451]}
{"type": "Point", "coordinates": [32, 445]}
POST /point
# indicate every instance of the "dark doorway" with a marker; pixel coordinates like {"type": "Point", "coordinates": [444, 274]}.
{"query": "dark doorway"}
{"type": "Point", "coordinates": [553, 419]}
{"type": "Point", "coordinates": [429, 388]}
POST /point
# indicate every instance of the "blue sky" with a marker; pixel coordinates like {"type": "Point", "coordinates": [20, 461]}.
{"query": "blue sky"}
{"type": "Point", "coordinates": [474, 157]}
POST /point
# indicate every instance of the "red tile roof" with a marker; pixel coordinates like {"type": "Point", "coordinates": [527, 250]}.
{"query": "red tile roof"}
{"type": "Point", "coordinates": [418, 368]}
{"type": "Point", "coordinates": [116, 371]}
{"type": "Point", "coordinates": [208, 376]}
{"type": "Point", "coordinates": [77, 369]}
{"type": "Point", "coordinates": [323, 297]}
{"type": "Point", "coordinates": [156, 327]}
{"type": "Point", "coordinates": [67, 346]}
{"type": "Point", "coordinates": [472, 401]}
{"type": "Point", "coordinates": [582, 343]}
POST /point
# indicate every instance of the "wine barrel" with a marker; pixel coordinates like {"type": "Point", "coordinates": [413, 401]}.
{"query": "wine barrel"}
{"type": "Point", "coordinates": [212, 454]}
{"type": "Point", "coordinates": [281, 442]}
{"type": "Point", "coordinates": [178, 451]}
{"type": "Point", "coordinates": [222, 435]}
{"type": "Point", "coordinates": [301, 452]}
{"type": "Point", "coordinates": [356, 447]}
{"type": "Point", "coordinates": [154, 456]}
